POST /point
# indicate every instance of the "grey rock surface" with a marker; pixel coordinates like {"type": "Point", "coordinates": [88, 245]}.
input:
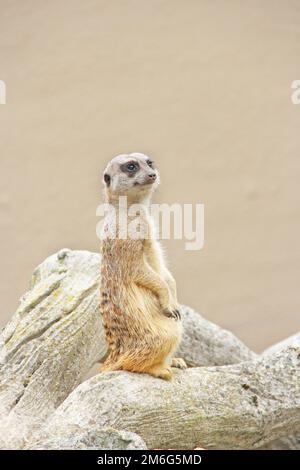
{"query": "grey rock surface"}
{"type": "Point", "coordinates": [56, 336]}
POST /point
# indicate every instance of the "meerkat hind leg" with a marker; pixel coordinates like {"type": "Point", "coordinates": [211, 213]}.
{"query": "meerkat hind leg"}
{"type": "Point", "coordinates": [179, 363]}
{"type": "Point", "coordinates": [160, 371]}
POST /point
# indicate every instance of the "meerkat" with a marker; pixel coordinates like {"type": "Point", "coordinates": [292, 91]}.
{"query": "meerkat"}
{"type": "Point", "coordinates": [139, 305]}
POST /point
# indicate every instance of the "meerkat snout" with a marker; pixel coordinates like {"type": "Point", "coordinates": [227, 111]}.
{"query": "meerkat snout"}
{"type": "Point", "coordinates": [149, 179]}
{"type": "Point", "coordinates": [152, 177]}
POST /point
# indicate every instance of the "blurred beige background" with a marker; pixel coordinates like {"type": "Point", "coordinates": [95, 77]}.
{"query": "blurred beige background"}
{"type": "Point", "coordinates": [204, 87]}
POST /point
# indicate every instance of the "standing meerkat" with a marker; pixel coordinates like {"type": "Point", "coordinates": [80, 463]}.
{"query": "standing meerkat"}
{"type": "Point", "coordinates": [138, 294]}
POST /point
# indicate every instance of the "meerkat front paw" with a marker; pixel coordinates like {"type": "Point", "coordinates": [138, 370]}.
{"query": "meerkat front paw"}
{"type": "Point", "coordinates": [172, 312]}
{"type": "Point", "coordinates": [179, 363]}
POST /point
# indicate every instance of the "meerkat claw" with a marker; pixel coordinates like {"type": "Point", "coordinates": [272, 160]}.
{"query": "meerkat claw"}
{"type": "Point", "coordinates": [172, 314]}
{"type": "Point", "coordinates": [177, 314]}
{"type": "Point", "coordinates": [179, 363]}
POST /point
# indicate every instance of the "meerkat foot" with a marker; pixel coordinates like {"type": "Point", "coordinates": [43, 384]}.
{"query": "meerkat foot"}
{"type": "Point", "coordinates": [179, 363]}
{"type": "Point", "coordinates": [161, 372]}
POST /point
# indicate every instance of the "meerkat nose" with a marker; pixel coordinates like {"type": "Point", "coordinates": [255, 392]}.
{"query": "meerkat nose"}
{"type": "Point", "coordinates": [152, 176]}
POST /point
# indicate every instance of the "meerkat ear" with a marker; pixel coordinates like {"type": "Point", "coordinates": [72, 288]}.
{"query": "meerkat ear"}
{"type": "Point", "coordinates": [106, 178]}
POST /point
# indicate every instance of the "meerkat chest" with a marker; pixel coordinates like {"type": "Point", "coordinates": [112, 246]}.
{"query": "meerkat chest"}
{"type": "Point", "coordinates": [154, 256]}
{"type": "Point", "coordinates": [153, 250]}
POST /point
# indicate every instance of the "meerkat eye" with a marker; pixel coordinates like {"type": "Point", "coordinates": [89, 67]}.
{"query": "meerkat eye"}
{"type": "Point", "coordinates": [150, 163]}
{"type": "Point", "coordinates": [131, 167]}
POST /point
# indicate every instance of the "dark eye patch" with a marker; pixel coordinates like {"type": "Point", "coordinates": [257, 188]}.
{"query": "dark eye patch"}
{"type": "Point", "coordinates": [130, 168]}
{"type": "Point", "coordinates": [150, 163]}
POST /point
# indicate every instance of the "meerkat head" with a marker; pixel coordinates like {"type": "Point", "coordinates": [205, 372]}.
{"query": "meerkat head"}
{"type": "Point", "coordinates": [133, 175]}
